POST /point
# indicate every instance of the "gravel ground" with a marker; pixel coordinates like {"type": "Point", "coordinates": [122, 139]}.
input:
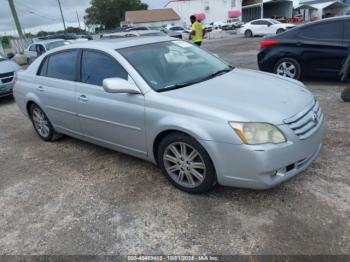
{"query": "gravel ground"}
{"type": "Point", "coordinates": [70, 197]}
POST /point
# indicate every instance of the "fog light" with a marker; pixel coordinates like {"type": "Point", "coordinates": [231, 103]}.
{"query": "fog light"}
{"type": "Point", "coordinates": [281, 172]}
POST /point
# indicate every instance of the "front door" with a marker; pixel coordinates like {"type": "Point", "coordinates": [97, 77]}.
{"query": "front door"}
{"type": "Point", "coordinates": [115, 120]}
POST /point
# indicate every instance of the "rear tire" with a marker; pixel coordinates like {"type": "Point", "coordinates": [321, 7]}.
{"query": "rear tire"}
{"type": "Point", "coordinates": [248, 33]}
{"type": "Point", "coordinates": [42, 124]}
{"type": "Point", "coordinates": [345, 95]}
{"type": "Point", "coordinates": [288, 67]}
{"type": "Point", "coordinates": [186, 164]}
{"type": "Point", "coordinates": [279, 31]}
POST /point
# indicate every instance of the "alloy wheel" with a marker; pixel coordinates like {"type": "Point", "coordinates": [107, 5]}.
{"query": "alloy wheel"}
{"type": "Point", "coordinates": [184, 164]}
{"type": "Point", "coordinates": [41, 123]}
{"type": "Point", "coordinates": [286, 69]}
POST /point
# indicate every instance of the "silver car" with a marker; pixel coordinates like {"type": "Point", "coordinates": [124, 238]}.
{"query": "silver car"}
{"type": "Point", "coordinates": [8, 70]}
{"type": "Point", "coordinates": [36, 49]}
{"type": "Point", "coordinates": [169, 102]}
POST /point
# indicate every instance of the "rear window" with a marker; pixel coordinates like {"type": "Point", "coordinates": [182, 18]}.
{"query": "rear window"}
{"type": "Point", "coordinates": [323, 31]}
{"type": "Point", "coordinates": [62, 65]}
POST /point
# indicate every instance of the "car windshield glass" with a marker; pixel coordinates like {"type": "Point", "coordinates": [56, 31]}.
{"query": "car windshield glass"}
{"type": "Point", "coordinates": [153, 34]}
{"type": "Point", "coordinates": [53, 45]}
{"type": "Point", "coordinates": [273, 21]}
{"type": "Point", "coordinates": [174, 64]}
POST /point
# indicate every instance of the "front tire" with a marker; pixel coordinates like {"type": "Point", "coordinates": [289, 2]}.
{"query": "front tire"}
{"type": "Point", "coordinates": [186, 164]}
{"type": "Point", "coordinates": [345, 95]}
{"type": "Point", "coordinates": [42, 125]}
{"type": "Point", "coordinates": [288, 67]}
{"type": "Point", "coordinates": [248, 33]}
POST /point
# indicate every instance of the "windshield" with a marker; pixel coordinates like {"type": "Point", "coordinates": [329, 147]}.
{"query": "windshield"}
{"type": "Point", "coordinates": [53, 45]}
{"type": "Point", "coordinates": [175, 64]}
{"type": "Point", "coordinates": [153, 34]}
{"type": "Point", "coordinates": [274, 21]}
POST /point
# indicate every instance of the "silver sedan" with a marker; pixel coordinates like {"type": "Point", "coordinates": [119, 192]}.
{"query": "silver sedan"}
{"type": "Point", "coordinates": [169, 102]}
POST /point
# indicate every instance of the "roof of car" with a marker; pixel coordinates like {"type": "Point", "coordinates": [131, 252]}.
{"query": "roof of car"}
{"type": "Point", "coordinates": [118, 43]}
{"type": "Point", "coordinates": [48, 41]}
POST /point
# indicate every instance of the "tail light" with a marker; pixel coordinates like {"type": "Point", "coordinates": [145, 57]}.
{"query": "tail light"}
{"type": "Point", "coordinates": [268, 42]}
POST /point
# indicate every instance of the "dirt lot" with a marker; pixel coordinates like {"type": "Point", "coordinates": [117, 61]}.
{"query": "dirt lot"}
{"type": "Point", "coordinates": [71, 197]}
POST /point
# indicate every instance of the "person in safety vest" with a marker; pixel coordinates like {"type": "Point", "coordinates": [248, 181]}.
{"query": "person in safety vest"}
{"type": "Point", "coordinates": [198, 31]}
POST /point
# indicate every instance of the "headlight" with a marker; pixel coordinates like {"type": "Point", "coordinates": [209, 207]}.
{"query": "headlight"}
{"type": "Point", "coordinates": [258, 133]}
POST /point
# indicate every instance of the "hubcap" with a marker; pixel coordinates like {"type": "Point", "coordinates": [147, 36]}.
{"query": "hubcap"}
{"type": "Point", "coordinates": [40, 122]}
{"type": "Point", "coordinates": [287, 69]}
{"type": "Point", "coordinates": [184, 164]}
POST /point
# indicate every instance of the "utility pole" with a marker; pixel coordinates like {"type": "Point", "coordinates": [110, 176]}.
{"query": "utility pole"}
{"type": "Point", "coordinates": [64, 23]}
{"type": "Point", "coordinates": [78, 18]}
{"type": "Point", "coordinates": [15, 17]}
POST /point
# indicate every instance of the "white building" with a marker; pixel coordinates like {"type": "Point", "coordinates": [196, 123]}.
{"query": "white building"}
{"type": "Point", "coordinates": [222, 10]}
{"type": "Point", "coordinates": [214, 10]}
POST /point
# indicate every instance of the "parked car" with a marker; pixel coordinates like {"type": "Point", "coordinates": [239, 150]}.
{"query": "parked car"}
{"type": "Point", "coordinates": [317, 49]}
{"type": "Point", "coordinates": [137, 28]}
{"type": "Point", "coordinates": [345, 77]}
{"type": "Point", "coordinates": [38, 48]}
{"type": "Point", "coordinates": [234, 23]}
{"type": "Point", "coordinates": [219, 25]}
{"type": "Point", "coordinates": [132, 34]}
{"type": "Point", "coordinates": [261, 27]}
{"type": "Point", "coordinates": [208, 28]}
{"type": "Point", "coordinates": [175, 31]}
{"type": "Point", "coordinates": [172, 103]}
{"type": "Point", "coordinates": [8, 70]}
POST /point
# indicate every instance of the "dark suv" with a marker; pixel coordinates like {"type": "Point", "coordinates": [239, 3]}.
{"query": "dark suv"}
{"type": "Point", "coordinates": [317, 49]}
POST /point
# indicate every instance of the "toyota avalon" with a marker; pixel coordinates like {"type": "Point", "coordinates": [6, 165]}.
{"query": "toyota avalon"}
{"type": "Point", "coordinates": [202, 121]}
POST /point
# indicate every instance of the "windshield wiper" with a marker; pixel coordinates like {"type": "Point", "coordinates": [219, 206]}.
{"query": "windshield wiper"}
{"type": "Point", "coordinates": [223, 71]}
{"type": "Point", "coordinates": [177, 86]}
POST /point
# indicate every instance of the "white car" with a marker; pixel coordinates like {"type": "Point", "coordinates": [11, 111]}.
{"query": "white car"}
{"type": "Point", "coordinates": [132, 34]}
{"type": "Point", "coordinates": [263, 27]}
{"type": "Point", "coordinates": [38, 48]}
{"type": "Point", "coordinates": [219, 25]}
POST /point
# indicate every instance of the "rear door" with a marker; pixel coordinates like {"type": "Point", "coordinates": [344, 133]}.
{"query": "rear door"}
{"type": "Point", "coordinates": [321, 48]}
{"type": "Point", "coordinates": [56, 88]}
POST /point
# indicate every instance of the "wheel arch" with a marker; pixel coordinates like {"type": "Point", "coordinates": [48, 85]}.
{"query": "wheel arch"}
{"type": "Point", "coordinates": [29, 100]}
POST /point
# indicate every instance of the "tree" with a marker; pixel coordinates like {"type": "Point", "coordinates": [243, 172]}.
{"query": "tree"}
{"type": "Point", "coordinates": [109, 13]}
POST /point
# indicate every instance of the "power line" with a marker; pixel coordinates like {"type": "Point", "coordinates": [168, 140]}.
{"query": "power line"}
{"type": "Point", "coordinates": [33, 11]}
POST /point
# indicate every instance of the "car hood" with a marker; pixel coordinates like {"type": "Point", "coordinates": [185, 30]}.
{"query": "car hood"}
{"type": "Point", "coordinates": [243, 95]}
{"type": "Point", "coordinates": [8, 66]}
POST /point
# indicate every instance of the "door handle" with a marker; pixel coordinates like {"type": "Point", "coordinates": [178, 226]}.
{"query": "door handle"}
{"type": "Point", "coordinates": [83, 98]}
{"type": "Point", "coordinates": [40, 89]}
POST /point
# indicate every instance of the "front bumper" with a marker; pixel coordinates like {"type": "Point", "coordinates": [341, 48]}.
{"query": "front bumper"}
{"type": "Point", "coordinates": [264, 166]}
{"type": "Point", "coordinates": [6, 89]}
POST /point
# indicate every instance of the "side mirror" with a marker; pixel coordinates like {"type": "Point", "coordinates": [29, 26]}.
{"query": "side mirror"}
{"type": "Point", "coordinates": [10, 55]}
{"type": "Point", "coordinates": [119, 86]}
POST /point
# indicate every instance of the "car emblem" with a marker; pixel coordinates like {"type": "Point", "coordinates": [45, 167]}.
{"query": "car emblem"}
{"type": "Point", "coordinates": [314, 117]}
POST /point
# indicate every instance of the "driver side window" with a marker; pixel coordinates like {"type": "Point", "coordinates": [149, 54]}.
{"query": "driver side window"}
{"type": "Point", "coordinates": [97, 66]}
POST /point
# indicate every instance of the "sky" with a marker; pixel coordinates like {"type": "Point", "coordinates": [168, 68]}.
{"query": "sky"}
{"type": "Point", "coordinates": [36, 15]}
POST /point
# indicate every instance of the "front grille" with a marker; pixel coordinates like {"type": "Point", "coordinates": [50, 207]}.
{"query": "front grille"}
{"type": "Point", "coordinates": [307, 122]}
{"type": "Point", "coordinates": [7, 77]}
